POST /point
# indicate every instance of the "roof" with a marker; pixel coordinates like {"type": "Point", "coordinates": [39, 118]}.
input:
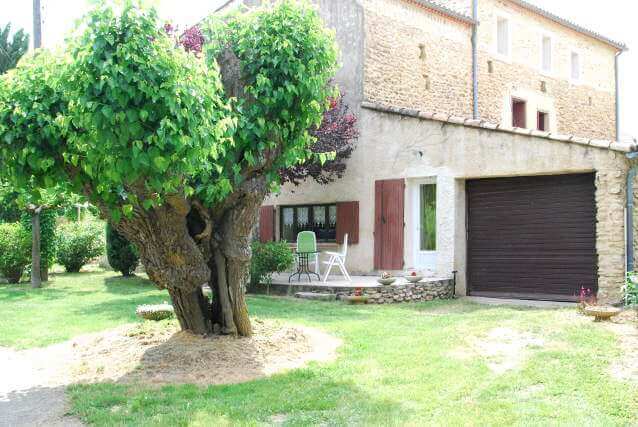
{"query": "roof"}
{"type": "Point", "coordinates": [569, 24]}
{"type": "Point", "coordinates": [445, 10]}
{"type": "Point", "coordinates": [454, 10]}
{"type": "Point", "coordinates": [625, 147]}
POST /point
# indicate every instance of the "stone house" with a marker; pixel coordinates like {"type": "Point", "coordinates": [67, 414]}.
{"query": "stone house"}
{"type": "Point", "coordinates": [487, 147]}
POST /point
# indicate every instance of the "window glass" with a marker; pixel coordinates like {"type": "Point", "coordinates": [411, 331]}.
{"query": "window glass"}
{"type": "Point", "coordinates": [547, 54]}
{"type": "Point", "coordinates": [503, 36]}
{"type": "Point", "coordinates": [303, 218]}
{"type": "Point", "coordinates": [321, 219]}
{"type": "Point", "coordinates": [428, 217]}
{"type": "Point", "coordinates": [575, 66]}
{"type": "Point", "coordinates": [332, 216]}
{"type": "Point", "coordinates": [319, 216]}
{"type": "Point", "coordinates": [287, 224]}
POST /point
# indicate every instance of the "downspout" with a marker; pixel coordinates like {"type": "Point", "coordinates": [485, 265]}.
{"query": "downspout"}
{"type": "Point", "coordinates": [475, 106]}
{"type": "Point", "coordinates": [617, 77]}
{"type": "Point", "coordinates": [629, 220]}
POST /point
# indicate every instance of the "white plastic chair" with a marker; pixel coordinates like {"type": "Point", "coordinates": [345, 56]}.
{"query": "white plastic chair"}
{"type": "Point", "coordinates": [338, 259]}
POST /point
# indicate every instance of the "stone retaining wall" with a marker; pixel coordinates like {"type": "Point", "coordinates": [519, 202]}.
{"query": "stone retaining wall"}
{"type": "Point", "coordinates": [405, 292]}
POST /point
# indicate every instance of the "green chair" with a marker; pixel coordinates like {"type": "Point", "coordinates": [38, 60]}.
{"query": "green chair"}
{"type": "Point", "coordinates": [307, 242]}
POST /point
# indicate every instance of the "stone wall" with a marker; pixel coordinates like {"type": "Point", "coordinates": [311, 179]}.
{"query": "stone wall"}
{"type": "Point", "coordinates": [585, 109]}
{"type": "Point", "coordinates": [415, 58]}
{"type": "Point", "coordinates": [407, 292]}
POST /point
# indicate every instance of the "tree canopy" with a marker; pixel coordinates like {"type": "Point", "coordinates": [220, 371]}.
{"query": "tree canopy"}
{"type": "Point", "coordinates": [177, 150]}
{"type": "Point", "coordinates": [12, 50]}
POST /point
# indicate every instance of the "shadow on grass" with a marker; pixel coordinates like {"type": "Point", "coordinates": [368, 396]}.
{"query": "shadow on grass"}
{"type": "Point", "coordinates": [46, 293]}
{"type": "Point", "coordinates": [300, 397]}
{"type": "Point", "coordinates": [130, 285]}
{"type": "Point", "coordinates": [122, 308]}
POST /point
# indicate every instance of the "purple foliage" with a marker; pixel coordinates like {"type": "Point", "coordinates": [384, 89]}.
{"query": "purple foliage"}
{"type": "Point", "coordinates": [338, 134]}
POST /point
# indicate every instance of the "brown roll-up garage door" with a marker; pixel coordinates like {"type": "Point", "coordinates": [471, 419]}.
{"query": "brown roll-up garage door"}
{"type": "Point", "coordinates": [532, 237]}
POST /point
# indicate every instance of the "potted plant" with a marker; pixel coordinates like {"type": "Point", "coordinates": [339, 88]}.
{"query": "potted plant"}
{"type": "Point", "coordinates": [413, 276]}
{"type": "Point", "coordinates": [357, 298]}
{"type": "Point", "coordinates": [386, 279]}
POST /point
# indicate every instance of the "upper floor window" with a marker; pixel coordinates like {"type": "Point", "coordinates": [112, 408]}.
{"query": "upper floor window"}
{"type": "Point", "coordinates": [503, 36]}
{"type": "Point", "coordinates": [575, 67]}
{"type": "Point", "coordinates": [543, 121]}
{"type": "Point", "coordinates": [546, 54]}
{"type": "Point", "coordinates": [519, 113]}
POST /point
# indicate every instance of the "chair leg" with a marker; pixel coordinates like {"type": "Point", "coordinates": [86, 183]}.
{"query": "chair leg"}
{"type": "Point", "coordinates": [342, 267]}
{"type": "Point", "coordinates": [330, 264]}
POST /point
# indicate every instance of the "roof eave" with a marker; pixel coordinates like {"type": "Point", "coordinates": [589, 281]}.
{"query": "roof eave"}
{"type": "Point", "coordinates": [562, 21]}
{"type": "Point", "coordinates": [446, 11]}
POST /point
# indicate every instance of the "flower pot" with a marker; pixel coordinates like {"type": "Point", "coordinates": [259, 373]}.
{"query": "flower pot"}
{"type": "Point", "coordinates": [356, 299]}
{"type": "Point", "coordinates": [388, 281]}
{"type": "Point", "coordinates": [600, 313]}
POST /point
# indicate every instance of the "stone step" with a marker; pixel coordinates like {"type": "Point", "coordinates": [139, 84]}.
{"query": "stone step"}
{"type": "Point", "coordinates": [316, 296]}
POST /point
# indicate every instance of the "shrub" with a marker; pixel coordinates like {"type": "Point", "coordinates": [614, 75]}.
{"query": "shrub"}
{"type": "Point", "coordinates": [631, 289]}
{"type": "Point", "coordinates": [15, 251]}
{"type": "Point", "coordinates": [121, 253]}
{"type": "Point", "coordinates": [155, 312]}
{"type": "Point", "coordinates": [269, 258]}
{"type": "Point", "coordinates": [79, 242]}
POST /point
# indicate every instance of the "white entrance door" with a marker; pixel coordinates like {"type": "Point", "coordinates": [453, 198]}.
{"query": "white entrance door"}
{"type": "Point", "coordinates": [425, 220]}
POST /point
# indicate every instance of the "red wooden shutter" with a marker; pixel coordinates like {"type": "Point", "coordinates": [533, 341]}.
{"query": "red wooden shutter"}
{"type": "Point", "coordinates": [348, 222]}
{"type": "Point", "coordinates": [389, 224]}
{"type": "Point", "coordinates": [267, 224]}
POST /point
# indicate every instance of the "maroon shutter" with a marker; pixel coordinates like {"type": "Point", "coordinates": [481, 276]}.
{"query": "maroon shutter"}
{"type": "Point", "coordinates": [389, 224]}
{"type": "Point", "coordinates": [267, 224]}
{"type": "Point", "coordinates": [348, 222]}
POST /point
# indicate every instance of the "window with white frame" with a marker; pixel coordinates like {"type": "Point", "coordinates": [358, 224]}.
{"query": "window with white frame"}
{"type": "Point", "coordinates": [503, 36]}
{"type": "Point", "coordinates": [575, 67]}
{"type": "Point", "coordinates": [546, 54]}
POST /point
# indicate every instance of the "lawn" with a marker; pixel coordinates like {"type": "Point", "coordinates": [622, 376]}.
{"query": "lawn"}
{"type": "Point", "coordinates": [69, 305]}
{"type": "Point", "coordinates": [437, 363]}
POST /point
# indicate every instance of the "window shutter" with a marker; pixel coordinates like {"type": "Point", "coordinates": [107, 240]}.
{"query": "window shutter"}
{"type": "Point", "coordinates": [348, 221]}
{"type": "Point", "coordinates": [267, 224]}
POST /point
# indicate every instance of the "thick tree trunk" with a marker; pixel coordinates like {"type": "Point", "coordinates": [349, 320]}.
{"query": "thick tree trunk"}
{"type": "Point", "coordinates": [172, 260]}
{"type": "Point", "coordinates": [231, 247]}
{"type": "Point", "coordinates": [192, 310]}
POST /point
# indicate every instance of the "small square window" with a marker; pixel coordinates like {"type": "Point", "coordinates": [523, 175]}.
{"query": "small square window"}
{"type": "Point", "coordinates": [503, 36]}
{"type": "Point", "coordinates": [543, 121]}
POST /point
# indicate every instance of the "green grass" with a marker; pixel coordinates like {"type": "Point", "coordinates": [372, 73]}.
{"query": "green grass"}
{"type": "Point", "coordinates": [405, 364]}
{"type": "Point", "coordinates": [70, 305]}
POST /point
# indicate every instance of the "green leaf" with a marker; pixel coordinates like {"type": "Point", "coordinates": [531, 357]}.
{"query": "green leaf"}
{"type": "Point", "coordinates": [128, 210]}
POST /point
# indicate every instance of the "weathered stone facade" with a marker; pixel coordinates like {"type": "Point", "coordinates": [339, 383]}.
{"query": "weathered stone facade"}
{"type": "Point", "coordinates": [383, 62]}
{"type": "Point", "coordinates": [417, 59]}
{"type": "Point", "coordinates": [586, 108]}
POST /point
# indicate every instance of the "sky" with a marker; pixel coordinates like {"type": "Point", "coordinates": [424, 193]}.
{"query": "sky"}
{"type": "Point", "coordinates": [612, 18]}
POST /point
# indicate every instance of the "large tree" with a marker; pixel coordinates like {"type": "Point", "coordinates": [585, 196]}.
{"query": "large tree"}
{"type": "Point", "coordinates": [178, 151]}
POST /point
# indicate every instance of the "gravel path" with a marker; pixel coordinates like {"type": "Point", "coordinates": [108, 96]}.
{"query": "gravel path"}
{"type": "Point", "coordinates": [29, 395]}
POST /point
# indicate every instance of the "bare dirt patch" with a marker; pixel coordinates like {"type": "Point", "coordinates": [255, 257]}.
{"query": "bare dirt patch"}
{"type": "Point", "coordinates": [152, 354]}
{"type": "Point", "coordinates": [503, 349]}
{"type": "Point", "coordinates": [625, 326]}
{"type": "Point", "coordinates": [158, 354]}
